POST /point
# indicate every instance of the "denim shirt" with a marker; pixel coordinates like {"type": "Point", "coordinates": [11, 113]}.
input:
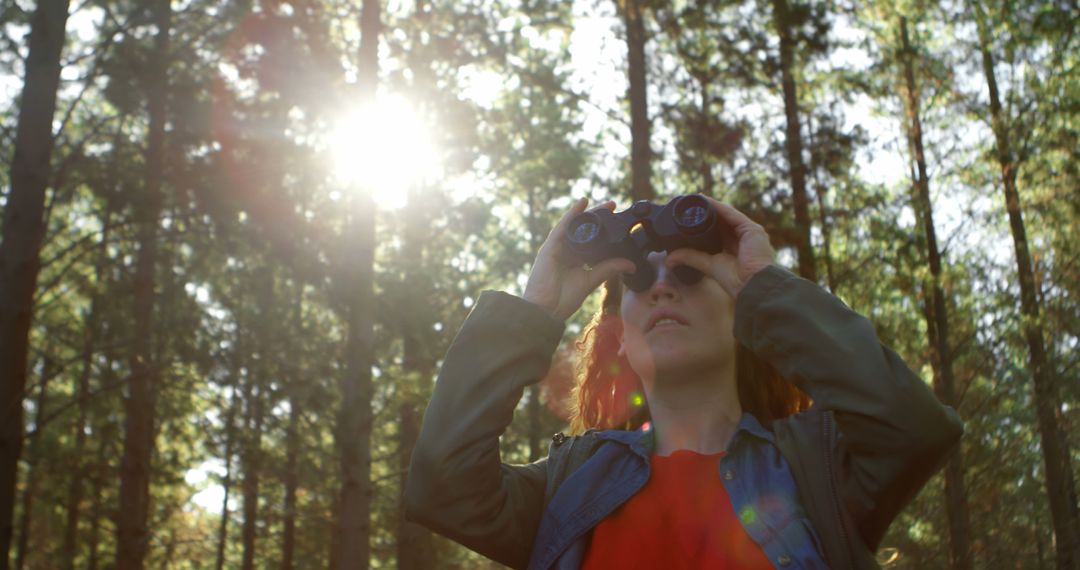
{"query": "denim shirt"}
{"type": "Point", "coordinates": [756, 476]}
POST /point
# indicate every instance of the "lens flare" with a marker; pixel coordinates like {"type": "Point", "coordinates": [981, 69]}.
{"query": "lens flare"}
{"type": "Point", "coordinates": [385, 148]}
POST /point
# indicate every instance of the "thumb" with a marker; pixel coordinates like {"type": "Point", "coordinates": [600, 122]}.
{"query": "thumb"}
{"type": "Point", "coordinates": [609, 268]}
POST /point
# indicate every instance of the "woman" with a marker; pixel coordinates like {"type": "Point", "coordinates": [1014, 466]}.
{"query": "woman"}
{"type": "Point", "coordinates": [707, 482]}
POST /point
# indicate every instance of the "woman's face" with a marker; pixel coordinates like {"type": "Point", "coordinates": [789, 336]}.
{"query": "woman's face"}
{"type": "Point", "coordinates": [673, 330]}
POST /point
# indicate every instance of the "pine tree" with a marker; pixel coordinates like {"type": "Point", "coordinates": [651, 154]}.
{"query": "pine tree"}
{"type": "Point", "coordinates": [23, 229]}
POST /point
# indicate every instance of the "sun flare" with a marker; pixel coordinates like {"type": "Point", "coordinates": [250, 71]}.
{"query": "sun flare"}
{"type": "Point", "coordinates": [385, 148]}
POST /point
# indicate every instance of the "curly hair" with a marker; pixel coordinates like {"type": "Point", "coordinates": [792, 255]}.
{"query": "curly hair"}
{"type": "Point", "coordinates": [609, 395]}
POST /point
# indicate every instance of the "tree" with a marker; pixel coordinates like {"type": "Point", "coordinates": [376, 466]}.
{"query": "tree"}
{"type": "Point", "coordinates": [23, 228]}
{"type": "Point", "coordinates": [705, 141]}
{"type": "Point", "coordinates": [48, 370]}
{"type": "Point", "coordinates": [353, 533]}
{"type": "Point", "coordinates": [1060, 484]}
{"type": "Point", "coordinates": [786, 20]}
{"type": "Point", "coordinates": [935, 307]}
{"type": "Point", "coordinates": [633, 13]}
{"type": "Point", "coordinates": [132, 533]}
{"type": "Point", "coordinates": [91, 332]}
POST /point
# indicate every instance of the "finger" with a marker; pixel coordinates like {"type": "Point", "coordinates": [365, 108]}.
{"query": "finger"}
{"type": "Point", "coordinates": [734, 218]}
{"type": "Point", "coordinates": [609, 205]}
{"type": "Point", "coordinates": [574, 210]}
{"type": "Point", "coordinates": [607, 269]}
{"type": "Point", "coordinates": [691, 258]}
{"type": "Point", "coordinates": [553, 243]}
{"type": "Point", "coordinates": [736, 226]}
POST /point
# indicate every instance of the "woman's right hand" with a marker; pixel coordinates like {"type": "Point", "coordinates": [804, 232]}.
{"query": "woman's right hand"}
{"type": "Point", "coordinates": [555, 283]}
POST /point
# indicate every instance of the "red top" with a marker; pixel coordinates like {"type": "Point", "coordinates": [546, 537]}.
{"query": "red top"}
{"type": "Point", "coordinates": [681, 518]}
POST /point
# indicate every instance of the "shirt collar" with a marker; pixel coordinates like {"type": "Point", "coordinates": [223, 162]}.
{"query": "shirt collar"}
{"type": "Point", "coordinates": [640, 440]}
{"type": "Point", "coordinates": [750, 424]}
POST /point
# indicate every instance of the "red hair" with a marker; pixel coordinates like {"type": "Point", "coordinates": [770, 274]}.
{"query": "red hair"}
{"type": "Point", "coordinates": [609, 395]}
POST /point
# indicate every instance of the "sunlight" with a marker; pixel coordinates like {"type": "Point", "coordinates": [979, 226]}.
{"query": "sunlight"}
{"type": "Point", "coordinates": [484, 86]}
{"type": "Point", "coordinates": [386, 148]}
{"type": "Point", "coordinates": [209, 494]}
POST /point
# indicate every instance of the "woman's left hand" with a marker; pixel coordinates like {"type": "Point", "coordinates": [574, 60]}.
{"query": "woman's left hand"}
{"type": "Point", "coordinates": [732, 268]}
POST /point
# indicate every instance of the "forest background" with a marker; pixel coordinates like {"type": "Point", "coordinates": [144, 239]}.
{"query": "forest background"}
{"type": "Point", "coordinates": [239, 235]}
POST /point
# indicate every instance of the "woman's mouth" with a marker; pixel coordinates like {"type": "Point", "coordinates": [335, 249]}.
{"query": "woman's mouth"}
{"type": "Point", "coordinates": [666, 321]}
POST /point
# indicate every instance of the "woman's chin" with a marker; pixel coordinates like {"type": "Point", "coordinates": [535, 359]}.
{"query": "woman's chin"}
{"type": "Point", "coordinates": [681, 362]}
{"type": "Point", "coordinates": [663, 356]}
{"type": "Point", "coordinates": [672, 362]}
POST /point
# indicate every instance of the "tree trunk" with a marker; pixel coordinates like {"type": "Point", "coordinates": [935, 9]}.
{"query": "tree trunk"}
{"type": "Point", "coordinates": [415, 546]}
{"type": "Point", "coordinates": [292, 452]}
{"type": "Point", "coordinates": [96, 506]}
{"type": "Point", "coordinates": [90, 332]}
{"type": "Point", "coordinates": [640, 151]}
{"type": "Point", "coordinates": [1060, 487]}
{"type": "Point", "coordinates": [20, 248]}
{"type": "Point", "coordinates": [793, 140]}
{"type": "Point", "coordinates": [230, 442]}
{"type": "Point", "coordinates": [935, 311]}
{"type": "Point", "coordinates": [532, 405]}
{"type": "Point", "coordinates": [708, 181]}
{"type": "Point", "coordinates": [826, 245]}
{"type": "Point", "coordinates": [823, 218]}
{"type": "Point", "coordinates": [132, 534]}
{"type": "Point", "coordinates": [294, 386]}
{"type": "Point", "coordinates": [101, 472]}
{"type": "Point", "coordinates": [252, 465]}
{"type": "Point", "coordinates": [33, 460]}
{"type": "Point", "coordinates": [352, 547]}
{"type": "Point", "coordinates": [256, 399]}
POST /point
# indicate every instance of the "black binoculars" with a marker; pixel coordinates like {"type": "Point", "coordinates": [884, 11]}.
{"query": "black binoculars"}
{"type": "Point", "coordinates": [686, 221]}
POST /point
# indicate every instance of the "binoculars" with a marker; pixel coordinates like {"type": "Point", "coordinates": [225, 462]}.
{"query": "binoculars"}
{"type": "Point", "coordinates": [686, 221]}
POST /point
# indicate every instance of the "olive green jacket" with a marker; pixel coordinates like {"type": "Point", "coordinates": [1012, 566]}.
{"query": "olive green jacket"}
{"type": "Point", "coordinates": [872, 439]}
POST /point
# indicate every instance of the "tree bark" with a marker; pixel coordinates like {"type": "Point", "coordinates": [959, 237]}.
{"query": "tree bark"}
{"type": "Point", "coordinates": [1060, 486]}
{"type": "Point", "coordinates": [96, 506]}
{"type": "Point", "coordinates": [90, 332]}
{"type": "Point", "coordinates": [252, 465]}
{"type": "Point", "coordinates": [532, 405]}
{"type": "Point", "coordinates": [823, 216]}
{"type": "Point", "coordinates": [33, 460]}
{"type": "Point", "coordinates": [132, 534]}
{"type": "Point", "coordinates": [415, 544]}
{"type": "Point", "coordinates": [793, 140]}
{"type": "Point", "coordinates": [256, 400]}
{"type": "Point", "coordinates": [20, 248]}
{"type": "Point", "coordinates": [226, 484]}
{"type": "Point", "coordinates": [708, 180]}
{"type": "Point", "coordinates": [352, 547]}
{"type": "Point", "coordinates": [936, 313]}
{"type": "Point", "coordinates": [640, 127]}
{"type": "Point", "coordinates": [292, 453]}
{"type": "Point", "coordinates": [101, 472]}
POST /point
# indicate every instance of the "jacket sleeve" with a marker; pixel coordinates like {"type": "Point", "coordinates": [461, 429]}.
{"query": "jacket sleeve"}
{"type": "Point", "coordinates": [892, 432]}
{"type": "Point", "coordinates": [457, 485]}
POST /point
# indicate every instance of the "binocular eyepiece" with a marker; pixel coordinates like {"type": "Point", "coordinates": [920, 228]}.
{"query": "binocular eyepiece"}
{"type": "Point", "coordinates": [685, 221]}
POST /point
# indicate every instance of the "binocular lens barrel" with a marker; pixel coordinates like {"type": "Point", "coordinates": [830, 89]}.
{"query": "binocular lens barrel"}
{"type": "Point", "coordinates": [586, 230]}
{"type": "Point", "coordinates": [692, 214]}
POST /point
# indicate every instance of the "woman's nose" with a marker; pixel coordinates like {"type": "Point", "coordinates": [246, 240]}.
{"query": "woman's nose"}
{"type": "Point", "coordinates": [664, 286]}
